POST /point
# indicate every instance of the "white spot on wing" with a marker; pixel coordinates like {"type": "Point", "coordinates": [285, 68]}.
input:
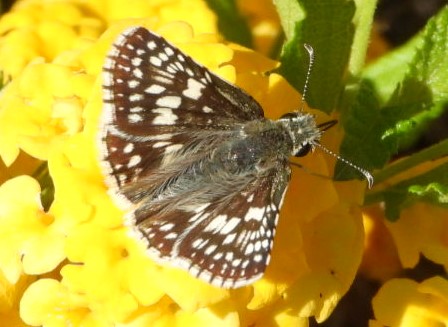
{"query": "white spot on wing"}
{"type": "Point", "coordinates": [134, 161]}
{"type": "Point", "coordinates": [136, 61]}
{"type": "Point", "coordinates": [170, 101]}
{"type": "Point", "coordinates": [218, 256]}
{"type": "Point", "coordinates": [134, 118]}
{"type": "Point", "coordinates": [163, 56]}
{"type": "Point", "coordinates": [166, 227]}
{"type": "Point", "coordinates": [236, 262]}
{"type": "Point", "coordinates": [151, 45]}
{"type": "Point", "coordinates": [230, 225]}
{"type": "Point", "coordinates": [162, 79]}
{"type": "Point", "coordinates": [169, 51]}
{"type": "Point", "coordinates": [249, 249]}
{"type": "Point", "coordinates": [136, 109]}
{"type": "Point", "coordinates": [125, 68]}
{"type": "Point", "coordinates": [135, 97]}
{"type": "Point", "coordinates": [254, 214]}
{"type": "Point", "coordinates": [197, 243]}
{"type": "Point", "coordinates": [179, 66]}
{"type": "Point", "coordinates": [217, 223]}
{"type": "Point", "coordinates": [193, 90]}
{"type": "Point", "coordinates": [165, 117]}
{"type": "Point", "coordinates": [155, 89]}
{"type": "Point", "coordinates": [155, 61]}
{"type": "Point", "coordinates": [128, 148]}
{"type": "Point", "coordinates": [133, 83]}
{"type": "Point", "coordinates": [171, 236]}
{"type": "Point", "coordinates": [207, 109]}
{"type": "Point", "coordinates": [137, 73]}
{"type": "Point", "coordinates": [265, 244]}
{"type": "Point", "coordinates": [210, 249]}
{"type": "Point", "coordinates": [229, 238]}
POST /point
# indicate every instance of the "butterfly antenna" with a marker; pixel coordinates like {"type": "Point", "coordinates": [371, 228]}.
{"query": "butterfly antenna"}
{"type": "Point", "coordinates": [366, 174]}
{"type": "Point", "coordinates": [310, 51]}
{"type": "Point", "coordinates": [327, 125]}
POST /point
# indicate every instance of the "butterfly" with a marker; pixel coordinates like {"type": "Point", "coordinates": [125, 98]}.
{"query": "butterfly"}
{"type": "Point", "coordinates": [199, 170]}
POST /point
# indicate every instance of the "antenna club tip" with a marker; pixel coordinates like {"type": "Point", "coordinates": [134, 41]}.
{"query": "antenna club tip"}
{"type": "Point", "coordinates": [308, 48]}
{"type": "Point", "coordinates": [369, 178]}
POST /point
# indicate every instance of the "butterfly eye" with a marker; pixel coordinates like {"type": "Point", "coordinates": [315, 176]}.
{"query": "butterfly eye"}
{"type": "Point", "coordinates": [304, 150]}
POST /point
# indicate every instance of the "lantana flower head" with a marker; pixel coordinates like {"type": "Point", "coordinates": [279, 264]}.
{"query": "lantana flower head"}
{"type": "Point", "coordinates": [88, 270]}
{"type": "Point", "coordinates": [404, 302]}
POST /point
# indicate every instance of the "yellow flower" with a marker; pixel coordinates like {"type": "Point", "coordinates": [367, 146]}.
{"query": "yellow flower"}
{"type": "Point", "coordinates": [40, 108]}
{"type": "Point", "coordinates": [421, 228]}
{"type": "Point", "coordinates": [194, 12]}
{"type": "Point", "coordinates": [44, 102]}
{"type": "Point", "coordinates": [96, 273]}
{"type": "Point", "coordinates": [264, 22]}
{"type": "Point", "coordinates": [380, 258]}
{"type": "Point", "coordinates": [406, 303]}
{"type": "Point", "coordinates": [46, 29]}
{"type": "Point", "coordinates": [31, 241]}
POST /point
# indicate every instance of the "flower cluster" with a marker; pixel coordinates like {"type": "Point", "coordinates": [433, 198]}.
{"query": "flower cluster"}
{"type": "Point", "coordinates": [393, 247]}
{"type": "Point", "coordinates": [74, 262]}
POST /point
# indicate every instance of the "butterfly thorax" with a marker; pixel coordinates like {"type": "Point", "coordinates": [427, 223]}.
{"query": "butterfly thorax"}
{"type": "Point", "coordinates": [259, 146]}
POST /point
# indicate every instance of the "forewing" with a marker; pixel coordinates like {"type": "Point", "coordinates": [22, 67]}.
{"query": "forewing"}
{"type": "Point", "coordinates": [227, 243]}
{"type": "Point", "coordinates": [159, 101]}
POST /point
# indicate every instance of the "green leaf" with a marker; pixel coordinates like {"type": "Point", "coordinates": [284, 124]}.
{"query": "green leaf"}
{"type": "Point", "coordinates": [429, 154]}
{"type": "Point", "coordinates": [363, 130]}
{"type": "Point", "coordinates": [230, 22]}
{"type": "Point", "coordinates": [386, 72]}
{"type": "Point", "coordinates": [327, 26]}
{"type": "Point", "coordinates": [42, 175]}
{"type": "Point", "coordinates": [3, 81]}
{"type": "Point", "coordinates": [365, 10]}
{"type": "Point", "coordinates": [291, 14]}
{"type": "Point", "coordinates": [430, 187]}
{"type": "Point", "coordinates": [409, 87]}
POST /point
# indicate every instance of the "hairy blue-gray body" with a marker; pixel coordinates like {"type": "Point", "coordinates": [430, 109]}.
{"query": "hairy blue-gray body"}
{"type": "Point", "coordinates": [209, 172]}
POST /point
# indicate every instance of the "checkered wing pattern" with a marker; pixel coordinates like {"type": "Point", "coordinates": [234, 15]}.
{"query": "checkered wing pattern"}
{"type": "Point", "coordinates": [224, 242]}
{"type": "Point", "coordinates": [164, 115]}
{"type": "Point", "coordinates": [159, 100]}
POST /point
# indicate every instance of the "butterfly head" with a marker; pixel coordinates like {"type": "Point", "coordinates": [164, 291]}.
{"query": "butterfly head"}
{"type": "Point", "coordinates": [304, 132]}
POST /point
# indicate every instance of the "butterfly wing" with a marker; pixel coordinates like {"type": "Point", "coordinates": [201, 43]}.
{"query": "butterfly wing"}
{"type": "Point", "coordinates": [226, 243]}
{"type": "Point", "coordinates": [158, 101]}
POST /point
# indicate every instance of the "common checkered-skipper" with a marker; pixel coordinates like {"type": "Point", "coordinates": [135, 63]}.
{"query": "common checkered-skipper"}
{"type": "Point", "coordinates": [192, 159]}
